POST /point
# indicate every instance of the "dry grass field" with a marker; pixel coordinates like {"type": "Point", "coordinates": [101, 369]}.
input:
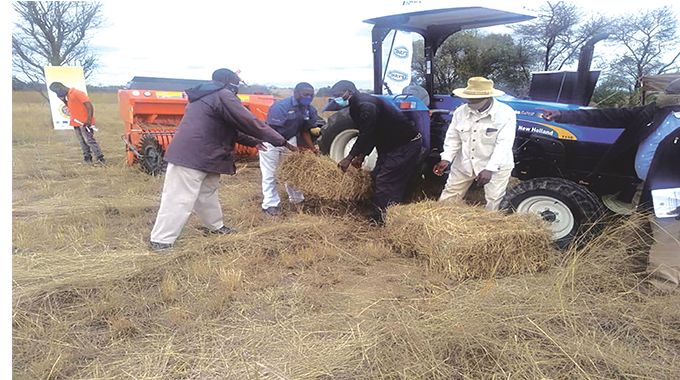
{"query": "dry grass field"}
{"type": "Point", "coordinates": [317, 295]}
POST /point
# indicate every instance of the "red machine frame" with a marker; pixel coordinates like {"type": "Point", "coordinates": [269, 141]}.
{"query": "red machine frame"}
{"type": "Point", "coordinates": [151, 118]}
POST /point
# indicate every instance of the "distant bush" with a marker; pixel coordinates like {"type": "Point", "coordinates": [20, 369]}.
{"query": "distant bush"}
{"type": "Point", "coordinates": [324, 92]}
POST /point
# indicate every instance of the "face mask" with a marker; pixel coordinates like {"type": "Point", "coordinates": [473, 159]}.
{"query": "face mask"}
{"type": "Point", "coordinates": [478, 105]}
{"type": "Point", "coordinates": [341, 102]}
{"type": "Point", "coordinates": [305, 101]}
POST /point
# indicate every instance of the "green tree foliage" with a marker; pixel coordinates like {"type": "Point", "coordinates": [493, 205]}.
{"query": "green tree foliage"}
{"type": "Point", "coordinates": [473, 53]}
{"type": "Point", "coordinates": [53, 33]}
{"type": "Point", "coordinates": [611, 91]}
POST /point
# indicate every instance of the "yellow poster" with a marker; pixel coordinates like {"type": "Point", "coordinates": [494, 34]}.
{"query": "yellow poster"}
{"type": "Point", "coordinates": [70, 77]}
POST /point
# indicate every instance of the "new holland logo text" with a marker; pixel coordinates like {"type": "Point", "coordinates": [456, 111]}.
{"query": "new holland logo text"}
{"type": "Point", "coordinates": [401, 52]}
{"type": "Point", "coordinates": [397, 75]}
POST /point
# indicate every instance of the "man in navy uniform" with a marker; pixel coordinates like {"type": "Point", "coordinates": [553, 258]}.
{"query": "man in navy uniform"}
{"type": "Point", "coordinates": [383, 127]}
{"type": "Point", "coordinates": [290, 117]}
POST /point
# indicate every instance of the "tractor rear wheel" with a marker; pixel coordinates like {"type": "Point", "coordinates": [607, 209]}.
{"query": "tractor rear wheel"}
{"type": "Point", "coordinates": [570, 209]}
{"type": "Point", "coordinates": [151, 159]}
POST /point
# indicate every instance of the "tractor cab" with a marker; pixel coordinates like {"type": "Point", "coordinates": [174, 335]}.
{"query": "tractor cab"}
{"type": "Point", "coordinates": [435, 26]}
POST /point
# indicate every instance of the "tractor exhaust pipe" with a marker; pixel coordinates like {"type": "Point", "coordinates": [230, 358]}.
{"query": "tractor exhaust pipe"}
{"type": "Point", "coordinates": [583, 73]}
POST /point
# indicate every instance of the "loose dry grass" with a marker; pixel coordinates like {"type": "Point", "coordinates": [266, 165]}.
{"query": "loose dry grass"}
{"type": "Point", "coordinates": [318, 295]}
{"type": "Point", "coordinates": [319, 177]}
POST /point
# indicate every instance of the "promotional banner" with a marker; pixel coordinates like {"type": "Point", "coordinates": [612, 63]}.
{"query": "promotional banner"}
{"type": "Point", "coordinates": [70, 77]}
{"type": "Point", "coordinates": [398, 49]}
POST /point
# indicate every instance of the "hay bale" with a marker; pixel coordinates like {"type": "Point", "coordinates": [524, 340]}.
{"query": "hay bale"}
{"type": "Point", "coordinates": [319, 177]}
{"type": "Point", "coordinates": [468, 242]}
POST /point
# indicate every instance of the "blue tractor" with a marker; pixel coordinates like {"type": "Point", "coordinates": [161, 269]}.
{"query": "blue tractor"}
{"type": "Point", "coordinates": [552, 161]}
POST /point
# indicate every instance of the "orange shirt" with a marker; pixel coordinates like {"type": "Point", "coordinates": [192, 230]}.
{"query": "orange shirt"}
{"type": "Point", "coordinates": [76, 107]}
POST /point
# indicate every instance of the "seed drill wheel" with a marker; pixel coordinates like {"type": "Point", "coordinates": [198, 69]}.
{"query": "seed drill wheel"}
{"type": "Point", "coordinates": [151, 159]}
{"type": "Point", "coordinates": [570, 209]}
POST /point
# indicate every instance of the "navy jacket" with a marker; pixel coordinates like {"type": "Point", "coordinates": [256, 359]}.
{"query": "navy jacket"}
{"type": "Point", "coordinates": [381, 125]}
{"type": "Point", "coordinates": [213, 121]}
{"type": "Point", "coordinates": [288, 117]}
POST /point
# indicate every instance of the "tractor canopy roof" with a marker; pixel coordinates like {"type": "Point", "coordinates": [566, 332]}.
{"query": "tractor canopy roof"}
{"type": "Point", "coordinates": [448, 21]}
{"type": "Point", "coordinates": [435, 26]}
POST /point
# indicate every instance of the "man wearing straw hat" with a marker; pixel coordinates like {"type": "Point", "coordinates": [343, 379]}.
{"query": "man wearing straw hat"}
{"type": "Point", "coordinates": [478, 144]}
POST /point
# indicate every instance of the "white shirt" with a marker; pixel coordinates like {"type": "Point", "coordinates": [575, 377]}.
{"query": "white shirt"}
{"type": "Point", "coordinates": [476, 141]}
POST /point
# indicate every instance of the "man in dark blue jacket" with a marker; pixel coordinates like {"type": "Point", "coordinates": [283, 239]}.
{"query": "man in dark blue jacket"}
{"type": "Point", "coordinates": [292, 116]}
{"type": "Point", "coordinates": [391, 133]}
{"type": "Point", "coordinates": [651, 139]}
{"type": "Point", "coordinates": [201, 150]}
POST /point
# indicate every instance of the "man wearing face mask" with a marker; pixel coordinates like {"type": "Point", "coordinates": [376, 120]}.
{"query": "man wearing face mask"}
{"type": "Point", "coordinates": [651, 139]}
{"type": "Point", "coordinates": [82, 120]}
{"type": "Point", "coordinates": [391, 133]}
{"type": "Point", "coordinates": [200, 151]}
{"type": "Point", "coordinates": [290, 117]}
{"type": "Point", "coordinates": [479, 143]}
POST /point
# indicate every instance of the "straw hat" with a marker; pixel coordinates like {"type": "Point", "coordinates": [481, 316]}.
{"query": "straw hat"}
{"type": "Point", "coordinates": [478, 88]}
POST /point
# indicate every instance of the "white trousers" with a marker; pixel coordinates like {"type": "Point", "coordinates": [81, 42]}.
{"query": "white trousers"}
{"type": "Point", "coordinates": [664, 255]}
{"type": "Point", "coordinates": [186, 190]}
{"type": "Point", "coordinates": [458, 184]}
{"type": "Point", "coordinates": [269, 162]}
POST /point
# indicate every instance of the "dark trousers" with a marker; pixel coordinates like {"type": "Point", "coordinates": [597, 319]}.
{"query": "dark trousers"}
{"type": "Point", "coordinates": [87, 142]}
{"type": "Point", "coordinates": [392, 172]}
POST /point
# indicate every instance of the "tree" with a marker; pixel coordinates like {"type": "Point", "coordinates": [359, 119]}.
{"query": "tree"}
{"type": "Point", "coordinates": [648, 37]}
{"type": "Point", "coordinates": [473, 53]}
{"type": "Point", "coordinates": [560, 31]}
{"type": "Point", "coordinates": [324, 92]}
{"type": "Point", "coordinates": [53, 33]}
{"type": "Point", "coordinates": [611, 91]}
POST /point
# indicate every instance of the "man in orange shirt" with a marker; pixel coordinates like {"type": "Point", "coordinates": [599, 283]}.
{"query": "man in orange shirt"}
{"type": "Point", "coordinates": [82, 119]}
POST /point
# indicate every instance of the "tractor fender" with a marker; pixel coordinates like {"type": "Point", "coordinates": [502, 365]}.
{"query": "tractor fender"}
{"type": "Point", "coordinates": [553, 152]}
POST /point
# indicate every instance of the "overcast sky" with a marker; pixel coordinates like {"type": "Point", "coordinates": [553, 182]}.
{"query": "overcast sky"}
{"type": "Point", "coordinates": [272, 42]}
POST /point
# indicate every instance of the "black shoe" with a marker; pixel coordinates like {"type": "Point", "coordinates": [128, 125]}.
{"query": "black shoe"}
{"type": "Point", "coordinates": [271, 211]}
{"type": "Point", "coordinates": [87, 159]}
{"type": "Point", "coordinates": [224, 230]}
{"type": "Point", "coordinates": [101, 159]}
{"type": "Point", "coordinates": [161, 248]}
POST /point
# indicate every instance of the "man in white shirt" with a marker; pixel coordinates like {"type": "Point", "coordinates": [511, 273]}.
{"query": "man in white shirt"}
{"type": "Point", "coordinates": [479, 143]}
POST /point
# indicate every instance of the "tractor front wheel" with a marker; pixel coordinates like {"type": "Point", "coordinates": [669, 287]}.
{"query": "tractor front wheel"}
{"type": "Point", "coordinates": [570, 209]}
{"type": "Point", "coordinates": [338, 137]}
{"type": "Point", "coordinates": [151, 159]}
